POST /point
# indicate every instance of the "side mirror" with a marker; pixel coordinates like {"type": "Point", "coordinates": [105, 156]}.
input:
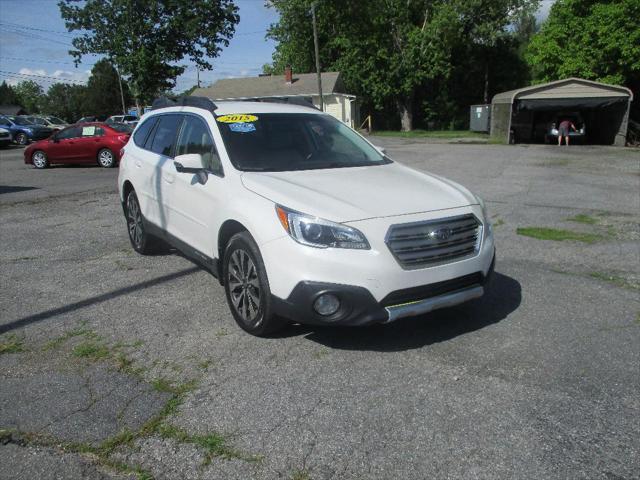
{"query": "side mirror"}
{"type": "Point", "coordinates": [55, 139]}
{"type": "Point", "coordinates": [382, 150]}
{"type": "Point", "coordinates": [188, 163]}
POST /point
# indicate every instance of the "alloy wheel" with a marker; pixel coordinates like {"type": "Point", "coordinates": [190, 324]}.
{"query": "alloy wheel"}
{"type": "Point", "coordinates": [21, 139]}
{"type": "Point", "coordinates": [105, 158]}
{"type": "Point", "coordinates": [134, 220]}
{"type": "Point", "coordinates": [244, 287]}
{"type": "Point", "coordinates": [39, 160]}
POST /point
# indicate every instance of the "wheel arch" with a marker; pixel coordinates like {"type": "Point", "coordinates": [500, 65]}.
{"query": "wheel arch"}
{"type": "Point", "coordinates": [127, 187]}
{"type": "Point", "coordinates": [227, 230]}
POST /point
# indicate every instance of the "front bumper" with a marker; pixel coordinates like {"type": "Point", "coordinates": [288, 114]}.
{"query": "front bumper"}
{"type": "Point", "coordinates": [358, 307]}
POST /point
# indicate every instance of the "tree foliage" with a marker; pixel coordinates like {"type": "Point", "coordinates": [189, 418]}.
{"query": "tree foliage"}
{"type": "Point", "coordinates": [7, 94]}
{"type": "Point", "coordinates": [66, 101]}
{"type": "Point", "coordinates": [394, 53]}
{"type": "Point", "coordinates": [102, 96]}
{"type": "Point", "coordinates": [147, 39]}
{"type": "Point", "coordinates": [592, 39]}
{"type": "Point", "coordinates": [29, 95]}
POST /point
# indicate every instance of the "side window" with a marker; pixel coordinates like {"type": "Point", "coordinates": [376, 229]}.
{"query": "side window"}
{"type": "Point", "coordinates": [165, 133]}
{"type": "Point", "coordinates": [195, 138]}
{"type": "Point", "coordinates": [71, 132]}
{"type": "Point", "coordinates": [143, 131]}
{"type": "Point", "coordinates": [5, 122]}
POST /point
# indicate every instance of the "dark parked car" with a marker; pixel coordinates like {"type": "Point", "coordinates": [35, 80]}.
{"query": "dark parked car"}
{"type": "Point", "coordinates": [85, 143]}
{"type": "Point", "coordinates": [5, 137]}
{"type": "Point", "coordinates": [22, 130]}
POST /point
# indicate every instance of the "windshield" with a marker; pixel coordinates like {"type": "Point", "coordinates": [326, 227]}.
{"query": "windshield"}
{"type": "Point", "coordinates": [121, 127]}
{"type": "Point", "coordinates": [20, 121]}
{"type": "Point", "coordinates": [56, 120]}
{"type": "Point", "coordinates": [277, 142]}
{"type": "Point", "coordinates": [37, 121]}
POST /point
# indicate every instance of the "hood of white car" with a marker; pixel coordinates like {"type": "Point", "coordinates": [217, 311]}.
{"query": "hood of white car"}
{"type": "Point", "coordinates": [358, 193]}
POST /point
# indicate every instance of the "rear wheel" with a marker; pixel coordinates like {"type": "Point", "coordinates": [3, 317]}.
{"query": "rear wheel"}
{"type": "Point", "coordinates": [247, 287]}
{"type": "Point", "coordinates": [39, 159]}
{"type": "Point", "coordinates": [106, 158]}
{"type": "Point", "coordinates": [141, 241]}
{"type": "Point", "coordinates": [21, 139]}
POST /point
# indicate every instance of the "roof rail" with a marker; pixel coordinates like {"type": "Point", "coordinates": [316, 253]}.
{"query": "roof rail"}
{"type": "Point", "coordinates": [197, 102]}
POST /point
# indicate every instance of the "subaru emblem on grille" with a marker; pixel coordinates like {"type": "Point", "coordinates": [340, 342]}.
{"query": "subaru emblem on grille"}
{"type": "Point", "coordinates": [440, 234]}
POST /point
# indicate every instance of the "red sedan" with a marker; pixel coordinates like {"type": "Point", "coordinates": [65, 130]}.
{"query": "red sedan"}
{"type": "Point", "coordinates": [85, 143]}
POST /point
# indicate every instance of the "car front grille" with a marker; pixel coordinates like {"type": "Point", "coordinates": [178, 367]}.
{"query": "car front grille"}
{"type": "Point", "coordinates": [435, 242]}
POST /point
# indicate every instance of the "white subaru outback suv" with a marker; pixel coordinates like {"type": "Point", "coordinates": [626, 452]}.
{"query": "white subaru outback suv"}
{"type": "Point", "coordinates": [299, 217]}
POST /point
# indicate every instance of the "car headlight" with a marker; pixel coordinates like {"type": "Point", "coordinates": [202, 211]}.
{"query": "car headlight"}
{"type": "Point", "coordinates": [319, 233]}
{"type": "Point", "coordinates": [485, 215]}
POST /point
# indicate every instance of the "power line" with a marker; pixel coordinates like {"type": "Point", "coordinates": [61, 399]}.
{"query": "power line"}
{"type": "Point", "coordinates": [38, 60]}
{"type": "Point", "coordinates": [33, 35]}
{"type": "Point", "coordinates": [25, 27]}
{"type": "Point", "coordinates": [44, 77]}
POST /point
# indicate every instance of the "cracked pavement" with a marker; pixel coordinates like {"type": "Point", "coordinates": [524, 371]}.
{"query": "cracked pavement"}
{"type": "Point", "coordinates": [538, 379]}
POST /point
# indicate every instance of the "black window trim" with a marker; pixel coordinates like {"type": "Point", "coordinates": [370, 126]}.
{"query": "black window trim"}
{"type": "Point", "coordinates": [154, 119]}
{"type": "Point", "coordinates": [219, 174]}
{"type": "Point", "coordinates": [151, 135]}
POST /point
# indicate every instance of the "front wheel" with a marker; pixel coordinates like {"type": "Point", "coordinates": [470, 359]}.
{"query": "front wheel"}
{"type": "Point", "coordinates": [39, 159]}
{"type": "Point", "coordinates": [106, 158]}
{"type": "Point", "coordinates": [247, 287]}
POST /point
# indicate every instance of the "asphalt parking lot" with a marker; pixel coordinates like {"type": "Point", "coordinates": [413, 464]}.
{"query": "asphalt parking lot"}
{"type": "Point", "coordinates": [116, 365]}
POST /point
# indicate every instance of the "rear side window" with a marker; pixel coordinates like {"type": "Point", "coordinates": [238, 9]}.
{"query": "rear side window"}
{"type": "Point", "coordinates": [164, 136]}
{"type": "Point", "coordinates": [71, 132]}
{"type": "Point", "coordinates": [196, 138]}
{"type": "Point", "coordinates": [143, 131]}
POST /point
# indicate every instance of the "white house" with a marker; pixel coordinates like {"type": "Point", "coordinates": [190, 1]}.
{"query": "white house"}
{"type": "Point", "coordinates": [305, 85]}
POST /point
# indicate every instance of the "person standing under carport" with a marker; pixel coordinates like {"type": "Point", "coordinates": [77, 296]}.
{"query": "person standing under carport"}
{"type": "Point", "coordinates": [563, 131]}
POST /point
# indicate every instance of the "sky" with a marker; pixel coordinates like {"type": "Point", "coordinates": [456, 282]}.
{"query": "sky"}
{"type": "Point", "coordinates": [34, 45]}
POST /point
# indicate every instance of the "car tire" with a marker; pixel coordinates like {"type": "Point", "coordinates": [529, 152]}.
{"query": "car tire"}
{"type": "Point", "coordinates": [39, 159]}
{"type": "Point", "coordinates": [21, 138]}
{"type": "Point", "coordinates": [106, 158]}
{"type": "Point", "coordinates": [247, 287]}
{"type": "Point", "coordinates": [141, 241]}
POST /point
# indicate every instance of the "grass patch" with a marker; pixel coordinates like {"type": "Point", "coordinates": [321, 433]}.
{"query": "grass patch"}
{"type": "Point", "coordinates": [303, 474]}
{"type": "Point", "coordinates": [11, 344]}
{"type": "Point", "coordinates": [91, 349]}
{"type": "Point", "coordinates": [77, 332]}
{"type": "Point", "coordinates": [615, 280]}
{"type": "Point", "coordinates": [430, 134]}
{"type": "Point", "coordinates": [558, 235]}
{"type": "Point", "coordinates": [583, 218]}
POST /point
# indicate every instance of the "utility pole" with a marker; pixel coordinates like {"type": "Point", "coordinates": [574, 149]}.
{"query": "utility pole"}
{"type": "Point", "coordinates": [315, 43]}
{"type": "Point", "coordinates": [124, 111]}
{"type": "Point", "coordinates": [198, 75]}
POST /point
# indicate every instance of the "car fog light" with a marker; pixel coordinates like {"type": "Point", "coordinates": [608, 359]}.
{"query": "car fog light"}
{"type": "Point", "coordinates": [326, 304]}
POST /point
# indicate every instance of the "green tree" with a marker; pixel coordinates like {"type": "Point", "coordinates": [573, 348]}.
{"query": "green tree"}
{"type": "Point", "coordinates": [146, 39]}
{"type": "Point", "coordinates": [592, 39]}
{"type": "Point", "coordinates": [103, 90]}
{"type": "Point", "coordinates": [7, 94]}
{"type": "Point", "coordinates": [395, 53]}
{"type": "Point", "coordinates": [30, 96]}
{"type": "Point", "coordinates": [66, 101]}
{"type": "Point", "coordinates": [392, 48]}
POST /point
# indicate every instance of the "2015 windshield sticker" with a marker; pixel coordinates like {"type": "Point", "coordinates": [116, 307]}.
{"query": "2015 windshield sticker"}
{"type": "Point", "coordinates": [237, 118]}
{"type": "Point", "coordinates": [242, 127]}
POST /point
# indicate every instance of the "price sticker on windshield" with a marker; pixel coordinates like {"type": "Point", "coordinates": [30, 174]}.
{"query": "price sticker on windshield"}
{"type": "Point", "coordinates": [237, 118]}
